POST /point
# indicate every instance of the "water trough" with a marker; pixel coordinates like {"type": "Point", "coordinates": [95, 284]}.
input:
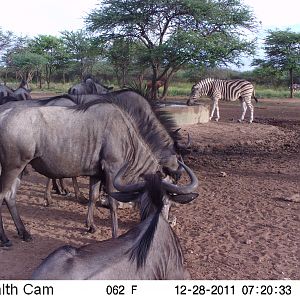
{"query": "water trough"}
{"type": "Point", "coordinates": [187, 115]}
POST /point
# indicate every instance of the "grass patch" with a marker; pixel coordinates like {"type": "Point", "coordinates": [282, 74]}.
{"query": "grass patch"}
{"type": "Point", "coordinates": [180, 89]}
{"type": "Point", "coordinates": [263, 92]}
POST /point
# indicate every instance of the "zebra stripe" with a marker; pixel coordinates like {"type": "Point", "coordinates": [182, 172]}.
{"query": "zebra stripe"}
{"type": "Point", "coordinates": [229, 90]}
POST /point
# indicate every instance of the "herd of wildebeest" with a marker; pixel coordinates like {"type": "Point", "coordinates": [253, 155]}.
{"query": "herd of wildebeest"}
{"type": "Point", "coordinates": [125, 147]}
{"type": "Point", "coordinates": [128, 148]}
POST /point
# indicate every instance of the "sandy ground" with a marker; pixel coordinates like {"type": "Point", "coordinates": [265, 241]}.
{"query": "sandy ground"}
{"type": "Point", "coordinates": [244, 225]}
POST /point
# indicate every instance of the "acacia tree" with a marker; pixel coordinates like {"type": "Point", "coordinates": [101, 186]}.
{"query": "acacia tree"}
{"type": "Point", "coordinates": [51, 48]}
{"type": "Point", "coordinates": [175, 33]}
{"type": "Point", "coordinates": [282, 51]}
{"type": "Point", "coordinates": [82, 48]}
{"type": "Point", "coordinates": [26, 63]}
{"type": "Point", "coordinates": [9, 44]}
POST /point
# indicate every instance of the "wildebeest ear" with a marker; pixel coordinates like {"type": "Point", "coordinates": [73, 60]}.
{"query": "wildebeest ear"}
{"type": "Point", "coordinates": [185, 198]}
{"type": "Point", "coordinates": [124, 197]}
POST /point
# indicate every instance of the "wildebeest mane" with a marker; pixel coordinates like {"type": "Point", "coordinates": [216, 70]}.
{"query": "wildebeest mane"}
{"type": "Point", "coordinates": [140, 249]}
{"type": "Point", "coordinates": [47, 100]}
{"type": "Point", "coordinates": [6, 99]}
{"type": "Point", "coordinates": [155, 136]}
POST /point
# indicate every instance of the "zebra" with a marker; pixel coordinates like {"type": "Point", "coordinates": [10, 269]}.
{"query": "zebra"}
{"type": "Point", "coordinates": [231, 90]}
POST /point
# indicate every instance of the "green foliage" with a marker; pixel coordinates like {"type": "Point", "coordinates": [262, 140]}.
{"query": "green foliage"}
{"type": "Point", "coordinates": [172, 34]}
{"type": "Point", "coordinates": [52, 49]}
{"type": "Point", "coordinates": [282, 48]}
{"type": "Point", "coordinates": [83, 49]}
{"type": "Point", "coordinates": [26, 63]}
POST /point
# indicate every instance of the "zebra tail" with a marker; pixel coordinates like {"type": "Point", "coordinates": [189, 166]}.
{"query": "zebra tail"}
{"type": "Point", "coordinates": [254, 96]}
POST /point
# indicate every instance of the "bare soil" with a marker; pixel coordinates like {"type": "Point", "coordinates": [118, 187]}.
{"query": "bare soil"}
{"type": "Point", "coordinates": [245, 224]}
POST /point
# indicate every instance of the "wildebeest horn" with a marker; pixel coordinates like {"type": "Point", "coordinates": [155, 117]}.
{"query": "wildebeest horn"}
{"type": "Point", "coordinates": [173, 188]}
{"type": "Point", "coordinates": [128, 188]}
{"type": "Point", "coordinates": [184, 146]}
{"type": "Point", "coordinates": [177, 130]}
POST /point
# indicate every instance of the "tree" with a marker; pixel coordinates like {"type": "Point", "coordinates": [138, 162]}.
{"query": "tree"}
{"type": "Point", "coordinates": [9, 43]}
{"type": "Point", "coordinates": [82, 48]}
{"type": "Point", "coordinates": [124, 56]}
{"type": "Point", "coordinates": [175, 33]}
{"type": "Point", "coordinates": [51, 48]}
{"type": "Point", "coordinates": [282, 51]}
{"type": "Point", "coordinates": [6, 39]}
{"type": "Point", "coordinates": [26, 63]}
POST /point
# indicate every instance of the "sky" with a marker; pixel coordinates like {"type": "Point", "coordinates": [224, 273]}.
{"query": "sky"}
{"type": "Point", "coordinates": [50, 17]}
{"type": "Point", "coordinates": [34, 17]}
{"type": "Point", "coordinates": [46, 17]}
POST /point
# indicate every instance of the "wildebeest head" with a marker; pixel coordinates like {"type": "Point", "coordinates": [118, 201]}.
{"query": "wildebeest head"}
{"type": "Point", "coordinates": [151, 194]}
{"type": "Point", "coordinates": [180, 194]}
{"type": "Point", "coordinates": [89, 86]}
{"type": "Point", "coordinates": [23, 91]}
{"type": "Point", "coordinates": [5, 91]}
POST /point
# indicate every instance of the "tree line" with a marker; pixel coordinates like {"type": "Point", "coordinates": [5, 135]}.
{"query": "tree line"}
{"type": "Point", "coordinates": [129, 40]}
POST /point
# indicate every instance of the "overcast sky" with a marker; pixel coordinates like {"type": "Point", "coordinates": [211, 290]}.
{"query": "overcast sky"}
{"type": "Point", "coordinates": [34, 17]}
{"type": "Point", "coordinates": [50, 17]}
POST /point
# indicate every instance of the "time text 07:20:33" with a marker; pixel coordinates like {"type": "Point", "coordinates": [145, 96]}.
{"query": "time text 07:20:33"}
{"type": "Point", "coordinates": [267, 290]}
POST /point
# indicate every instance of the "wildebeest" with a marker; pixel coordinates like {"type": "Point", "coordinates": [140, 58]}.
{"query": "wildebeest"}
{"type": "Point", "coordinates": [10, 102]}
{"type": "Point", "coordinates": [89, 86]}
{"type": "Point", "coordinates": [150, 250]}
{"type": "Point", "coordinates": [5, 91]}
{"type": "Point", "coordinates": [90, 140]}
{"type": "Point", "coordinates": [23, 91]}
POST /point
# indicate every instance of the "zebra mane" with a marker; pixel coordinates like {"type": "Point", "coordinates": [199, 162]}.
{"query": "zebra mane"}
{"type": "Point", "coordinates": [157, 128]}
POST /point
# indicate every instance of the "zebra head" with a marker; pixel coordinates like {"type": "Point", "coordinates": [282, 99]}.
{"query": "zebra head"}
{"type": "Point", "coordinates": [199, 89]}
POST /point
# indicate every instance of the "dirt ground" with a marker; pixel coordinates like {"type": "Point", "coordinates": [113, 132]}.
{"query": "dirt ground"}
{"type": "Point", "coordinates": [245, 224]}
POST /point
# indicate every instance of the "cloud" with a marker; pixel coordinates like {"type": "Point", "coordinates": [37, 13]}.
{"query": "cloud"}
{"type": "Point", "coordinates": [34, 17]}
{"type": "Point", "coordinates": [276, 14]}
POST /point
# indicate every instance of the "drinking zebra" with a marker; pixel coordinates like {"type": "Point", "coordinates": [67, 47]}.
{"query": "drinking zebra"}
{"type": "Point", "coordinates": [230, 90]}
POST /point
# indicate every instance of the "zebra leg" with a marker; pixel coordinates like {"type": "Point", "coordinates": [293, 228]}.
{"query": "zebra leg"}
{"type": "Point", "coordinates": [215, 105]}
{"type": "Point", "coordinates": [250, 105]}
{"type": "Point", "coordinates": [244, 109]}
{"type": "Point", "coordinates": [218, 112]}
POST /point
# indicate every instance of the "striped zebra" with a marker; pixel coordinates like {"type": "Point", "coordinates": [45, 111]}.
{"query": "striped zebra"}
{"type": "Point", "coordinates": [230, 90]}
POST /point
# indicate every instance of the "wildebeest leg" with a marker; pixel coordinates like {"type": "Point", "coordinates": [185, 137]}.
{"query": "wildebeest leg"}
{"type": "Point", "coordinates": [64, 189]}
{"type": "Point", "coordinates": [10, 183]}
{"type": "Point", "coordinates": [4, 241]}
{"type": "Point", "coordinates": [93, 196]}
{"type": "Point", "coordinates": [47, 195]}
{"type": "Point", "coordinates": [166, 213]}
{"type": "Point", "coordinates": [114, 216]}
{"type": "Point", "coordinates": [56, 187]}
{"type": "Point", "coordinates": [78, 195]}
